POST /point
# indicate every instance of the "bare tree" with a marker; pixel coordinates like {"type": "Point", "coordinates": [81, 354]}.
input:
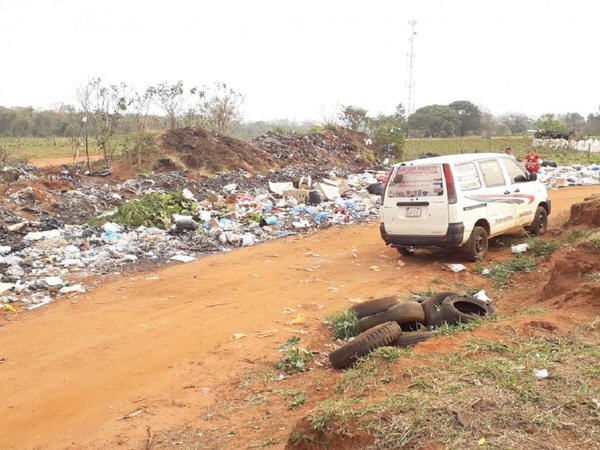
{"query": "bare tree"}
{"type": "Point", "coordinates": [173, 100]}
{"type": "Point", "coordinates": [220, 108]}
{"type": "Point", "coordinates": [104, 105]}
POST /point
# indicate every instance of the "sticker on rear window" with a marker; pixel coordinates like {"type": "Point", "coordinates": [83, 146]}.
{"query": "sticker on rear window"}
{"type": "Point", "coordinates": [416, 181]}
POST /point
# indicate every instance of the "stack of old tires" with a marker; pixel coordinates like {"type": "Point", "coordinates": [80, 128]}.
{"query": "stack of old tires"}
{"type": "Point", "coordinates": [384, 321]}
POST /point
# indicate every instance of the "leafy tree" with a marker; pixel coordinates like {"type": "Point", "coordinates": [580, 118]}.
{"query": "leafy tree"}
{"type": "Point", "coordinates": [517, 123]}
{"type": "Point", "coordinates": [435, 121]}
{"type": "Point", "coordinates": [574, 121]}
{"type": "Point", "coordinates": [470, 117]}
{"type": "Point", "coordinates": [353, 118]}
{"type": "Point", "coordinates": [388, 134]}
{"type": "Point", "coordinates": [592, 126]}
{"type": "Point", "coordinates": [549, 127]}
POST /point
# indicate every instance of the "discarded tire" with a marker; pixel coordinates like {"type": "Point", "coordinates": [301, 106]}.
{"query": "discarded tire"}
{"type": "Point", "coordinates": [458, 309]}
{"type": "Point", "coordinates": [412, 326]}
{"type": "Point", "coordinates": [408, 339]}
{"type": "Point", "coordinates": [408, 312]}
{"type": "Point", "coordinates": [374, 306]}
{"type": "Point", "coordinates": [364, 343]}
{"type": "Point", "coordinates": [431, 308]}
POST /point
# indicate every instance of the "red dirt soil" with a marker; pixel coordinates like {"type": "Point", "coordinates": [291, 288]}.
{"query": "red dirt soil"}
{"type": "Point", "coordinates": [159, 347]}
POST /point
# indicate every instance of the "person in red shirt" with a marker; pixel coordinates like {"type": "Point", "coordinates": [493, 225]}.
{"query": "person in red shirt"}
{"type": "Point", "coordinates": [532, 161]}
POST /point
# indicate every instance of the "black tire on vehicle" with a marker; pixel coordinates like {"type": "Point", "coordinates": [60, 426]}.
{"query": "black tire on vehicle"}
{"type": "Point", "coordinates": [408, 339]}
{"type": "Point", "coordinates": [458, 309]}
{"type": "Point", "coordinates": [401, 313]}
{"type": "Point", "coordinates": [431, 308]}
{"type": "Point", "coordinates": [476, 247]}
{"type": "Point", "coordinates": [379, 336]}
{"type": "Point", "coordinates": [540, 222]}
{"type": "Point", "coordinates": [374, 306]}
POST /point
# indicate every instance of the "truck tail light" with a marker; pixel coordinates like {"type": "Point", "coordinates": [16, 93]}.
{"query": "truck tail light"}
{"type": "Point", "coordinates": [450, 186]}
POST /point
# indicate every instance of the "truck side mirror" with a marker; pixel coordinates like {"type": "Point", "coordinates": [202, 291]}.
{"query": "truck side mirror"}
{"type": "Point", "coordinates": [532, 176]}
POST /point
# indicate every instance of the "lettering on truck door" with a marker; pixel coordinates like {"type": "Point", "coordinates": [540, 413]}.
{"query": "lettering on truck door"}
{"type": "Point", "coordinates": [524, 199]}
{"type": "Point", "coordinates": [498, 197]}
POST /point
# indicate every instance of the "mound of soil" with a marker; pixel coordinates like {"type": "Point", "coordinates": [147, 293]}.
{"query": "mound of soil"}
{"type": "Point", "coordinates": [570, 285]}
{"type": "Point", "coordinates": [208, 152]}
{"type": "Point", "coordinates": [198, 149]}
{"type": "Point", "coordinates": [586, 212]}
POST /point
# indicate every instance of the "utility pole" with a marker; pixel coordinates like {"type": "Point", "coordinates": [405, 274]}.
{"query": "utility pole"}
{"type": "Point", "coordinates": [411, 80]}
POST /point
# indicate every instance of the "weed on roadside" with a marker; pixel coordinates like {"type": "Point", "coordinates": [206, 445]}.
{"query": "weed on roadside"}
{"type": "Point", "coordinates": [503, 272]}
{"type": "Point", "coordinates": [594, 277]}
{"type": "Point", "coordinates": [448, 330]}
{"type": "Point", "coordinates": [369, 372]}
{"type": "Point", "coordinates": [295, 359]}
{"type": "Point", "coordinates": [575, 236]}
{"type": "Point", "coordinates": [344, 324]}
{"type": "Point", "coordinates": [542, 247]}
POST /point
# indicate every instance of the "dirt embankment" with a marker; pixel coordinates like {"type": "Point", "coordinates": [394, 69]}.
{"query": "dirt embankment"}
{"type": "Point", "coordinates": [157, 351]}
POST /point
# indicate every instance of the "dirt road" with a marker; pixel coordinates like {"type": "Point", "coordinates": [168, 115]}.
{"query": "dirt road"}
{"type": "Point", "coordinates": [154, 351]}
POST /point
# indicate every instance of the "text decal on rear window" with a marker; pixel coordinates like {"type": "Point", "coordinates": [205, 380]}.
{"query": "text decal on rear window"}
{"type": "Point", "coordinates": [416, 181]}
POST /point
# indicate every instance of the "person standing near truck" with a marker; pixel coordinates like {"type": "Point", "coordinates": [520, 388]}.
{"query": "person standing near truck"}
{"type": "Point", "coordinates": [532, 161]}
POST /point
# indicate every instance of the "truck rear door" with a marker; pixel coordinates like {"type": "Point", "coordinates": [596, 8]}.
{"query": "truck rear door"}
{"type": "Point", "coordinates": [414, 202]}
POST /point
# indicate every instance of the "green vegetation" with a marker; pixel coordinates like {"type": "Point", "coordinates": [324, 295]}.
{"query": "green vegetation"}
{"type": "Point", "coordinates": [575, 236]}
{"type": "Point", "coordinates": [503, 272]}
{"type": "Point", "coordinates": [541, 247]}
{"type": "Point", "coordinates": [344, 324]}
{"type": "Point", "coordinates": [489, 394]}
{"type": "Point", "coordinates": [154, 210]}
{"type": "Point", "coordinates": [449, 330]}
{"type": "Point", "coordinates": [295, 359]}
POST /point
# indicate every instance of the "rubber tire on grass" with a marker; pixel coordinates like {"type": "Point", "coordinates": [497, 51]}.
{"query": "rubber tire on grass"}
{"type": "Point", "coordinates": [379, 336]}
{"type": "Point", "coordinates": [408, 312]}
{"type": "Point", "coordinates": [408, 339]}
{"type": "Point", "coordinates": [431, 308]}
{"type": "Point", "coordinates": [477, 246]}
{"type": "Point", "coordinates": [458, 309]}
{"type": "Point", "coordinates": [540, 222]}
{"type": "Point", "coordinates": [374, 306]}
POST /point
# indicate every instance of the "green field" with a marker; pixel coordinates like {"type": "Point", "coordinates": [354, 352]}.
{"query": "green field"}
{"type": "Point", "coordinates": [520, 145]}
{"type": "Point", "coordinates": [31, 148]}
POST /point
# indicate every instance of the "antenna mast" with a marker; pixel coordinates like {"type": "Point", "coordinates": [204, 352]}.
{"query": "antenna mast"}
{"type": "Point", "coordinates": [411, 81]}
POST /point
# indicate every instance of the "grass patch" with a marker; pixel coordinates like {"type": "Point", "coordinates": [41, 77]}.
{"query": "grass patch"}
{"type": "Point", "coordinates": [542, 247]}
{"type": "Point", "coordinates": [344, 324]}
{"type": "Point", "coordinates": [489, 393]}
{"type": "Point", "coordinates": [448, 330]}
{"type": "Point", "coordinates": [295, 359]}
{"type": "Point", "coordinates": [575, 236]}
{"type": "Point", "coordinates": [369, 372]}
{"type": "Point", "coordinates": [594, 277]}
{"type": "Point", "coordinates": [503, 272]}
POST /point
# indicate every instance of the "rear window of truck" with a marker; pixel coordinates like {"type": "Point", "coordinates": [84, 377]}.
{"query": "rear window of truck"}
{"type": "Point", "coordinates": [416, 181]}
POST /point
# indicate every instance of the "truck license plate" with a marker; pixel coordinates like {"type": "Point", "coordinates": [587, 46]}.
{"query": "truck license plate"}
{"type": "Point", "coordinates": [413, 212]}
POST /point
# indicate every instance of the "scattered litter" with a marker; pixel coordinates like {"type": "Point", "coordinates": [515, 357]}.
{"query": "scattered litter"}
{"type": "Point", "coordinates": [74, 288]}
{"type": "Point", "coordinates": [375, 268]}
{"type": "Point", "coordinates": [400, 263]}
{"type": "Point", "coordinates": [486, 271]}
{"type": "Point", "coordinates": [183, 258]}
{"type": "Point", "coordinates": [355, 301]}
{"type": "Point", "coordinates": [238, 335]}
{"type": "Point", "coordinates": [137, 412]}
{"type": "Point", "coordinates": [53, 281]}
{"type": "Point", "coordinates": [152, 278]}
{"type": "Point", "coordinates": [541, 374]}
{"type": "Point", "coordinates": [519, 248]}
{"type": "Point", "coordinates": [481, 295]}
{"type": "Point", "coordinates": [298, 320]}
{"type": "Point", "coordinates": [454, 267]}
{"type": "Point", "coordinates": [6, 287]}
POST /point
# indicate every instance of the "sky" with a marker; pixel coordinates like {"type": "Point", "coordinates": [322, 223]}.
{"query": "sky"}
{"type": "Point", "coordinates": [303, 60]}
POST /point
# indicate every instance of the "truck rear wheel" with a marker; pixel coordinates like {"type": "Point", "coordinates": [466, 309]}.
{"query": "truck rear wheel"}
{"type": "Point", "coordinates": [476, 247]}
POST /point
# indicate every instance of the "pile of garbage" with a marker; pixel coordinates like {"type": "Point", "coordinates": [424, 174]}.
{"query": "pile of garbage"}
{"type": "Point", "coordinates": [53, 240]}
{"type": "Point", "coordinates": [340, 149]}
{"type": "Point", "coordinates": [572, 175]}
